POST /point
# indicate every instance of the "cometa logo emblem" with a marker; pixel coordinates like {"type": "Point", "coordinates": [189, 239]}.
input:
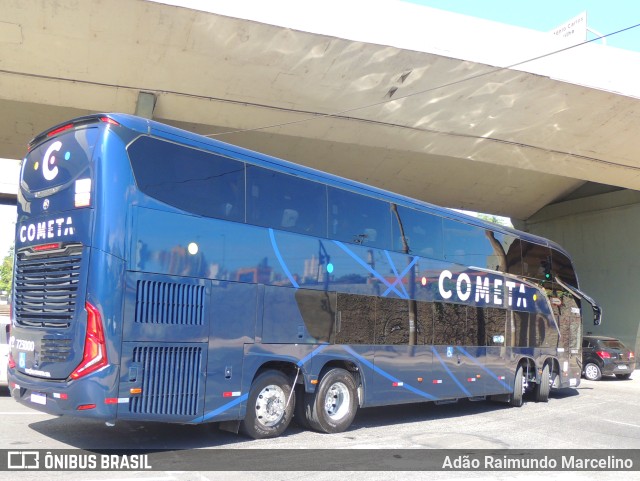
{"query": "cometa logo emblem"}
{"type": "Point", "coordinates": [49, 168]}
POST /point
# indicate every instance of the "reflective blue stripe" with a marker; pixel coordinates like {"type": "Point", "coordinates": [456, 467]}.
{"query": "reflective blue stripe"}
{"type": "Point", "coordinates": [398, 277]}
{"type": "Point", "coordinates": [404, 273]}
{"type": "Point", "coordinates": [450, 373]}
{"type": "Point", "coordinates": [302, 361]}
{"type": "Point", "coordinates": [368, 268]}
{"type": "Point", "coordinates": [485, 369]}
{"type": "Point", "coordinates": [408, 387]}
{"type": "Point", "coordinates": [221, 409]}
{"type": "Point", "coordinates": [281, 260]}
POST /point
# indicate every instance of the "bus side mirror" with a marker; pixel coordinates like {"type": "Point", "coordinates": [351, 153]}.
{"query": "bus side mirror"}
{"type": "Point", "coordinates": [597, 315]}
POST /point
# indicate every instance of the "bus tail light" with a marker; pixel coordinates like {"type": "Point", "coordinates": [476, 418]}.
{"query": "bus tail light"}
{"type": "Point", "coordinates": [60, 130]}
{"type": "Point", "coordinates": [95, 348]}
{"type": "Point", "coordinates": [108, 120]}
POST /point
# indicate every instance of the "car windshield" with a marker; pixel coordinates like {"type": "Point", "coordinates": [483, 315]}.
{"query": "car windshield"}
{"type": "Point", "coordinates": [613, 344]}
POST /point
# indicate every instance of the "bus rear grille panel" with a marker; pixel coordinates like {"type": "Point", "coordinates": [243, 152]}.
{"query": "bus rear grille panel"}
{"type": "Point", "coordinates": [46, 290]}
{"type": "Point", "coordinates": [55, 350]}
{"type": "Point", "coordinates": [170, 380]}
{"type": "Point", "coordinates": [169, 303]}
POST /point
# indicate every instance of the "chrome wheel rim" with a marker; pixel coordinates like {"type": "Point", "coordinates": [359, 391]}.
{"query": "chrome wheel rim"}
{"type": "Point", "coordinates": [337, 402]}
{"type": "Point", "coordinates": [270, 405]}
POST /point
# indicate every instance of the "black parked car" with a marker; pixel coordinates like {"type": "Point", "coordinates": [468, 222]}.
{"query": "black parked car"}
{"type": "Point", "coordinates": [603, 356]}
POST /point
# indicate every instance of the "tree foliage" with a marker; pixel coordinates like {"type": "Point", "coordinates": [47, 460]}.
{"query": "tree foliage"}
{"type": "Point", "coordinates": [495, 219]}
{"type": "Point", "coordinates": [6, 272]}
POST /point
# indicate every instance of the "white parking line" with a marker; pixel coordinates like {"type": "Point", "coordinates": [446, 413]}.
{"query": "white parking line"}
{"type": "Point", "coordinates": [624, 424]}
{"type": "Point", "coordinates": [4, 413]}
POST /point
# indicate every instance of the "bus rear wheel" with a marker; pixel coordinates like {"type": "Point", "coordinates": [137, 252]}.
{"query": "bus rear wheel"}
{"type": "Point", "coordinates": [269, 406]}
{"type": "Point", "coordinates": [517, 397]}
{"type": "Point", "coordinates": [543, 387]}
{"type": "Point", "coordinates": [333, 406]}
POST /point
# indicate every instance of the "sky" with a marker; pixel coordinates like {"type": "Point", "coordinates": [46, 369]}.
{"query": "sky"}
{"type": "Point", "coordinates": [544, 15]}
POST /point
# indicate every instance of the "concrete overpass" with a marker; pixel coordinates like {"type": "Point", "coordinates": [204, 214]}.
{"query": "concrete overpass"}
{"type": "Point", "coordinates": [403, 97]}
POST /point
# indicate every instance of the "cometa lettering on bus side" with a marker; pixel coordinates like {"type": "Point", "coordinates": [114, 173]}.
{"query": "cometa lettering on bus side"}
{"type": "Point", "coordinates": [483, 289]}
{"type": "Point", "coordinates": [50, 229]}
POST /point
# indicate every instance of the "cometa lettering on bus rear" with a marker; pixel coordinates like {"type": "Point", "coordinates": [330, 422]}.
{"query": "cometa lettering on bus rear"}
{"type": "Point", "coordinates": [49, 229]}
{"type": "Point", "coordinates": [484, 290]}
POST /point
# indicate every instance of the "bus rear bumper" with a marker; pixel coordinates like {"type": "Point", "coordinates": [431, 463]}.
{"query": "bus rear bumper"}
{"type": "Point", "coordinates": [87, 398]}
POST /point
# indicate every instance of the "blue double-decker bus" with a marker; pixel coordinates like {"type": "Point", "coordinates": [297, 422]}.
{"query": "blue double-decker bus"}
{"type": "Point", "coordinates": [164, 276]}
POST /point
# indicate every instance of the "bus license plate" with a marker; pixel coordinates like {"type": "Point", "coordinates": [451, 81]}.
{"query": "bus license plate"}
{"type": "Point", "coordinates": [38, 398]}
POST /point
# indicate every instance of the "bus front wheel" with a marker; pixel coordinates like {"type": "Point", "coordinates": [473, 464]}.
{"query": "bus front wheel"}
{"type": "Point", "coordinates": [269, 406]}
{"type": "Point", "coordinates": [333, 406]}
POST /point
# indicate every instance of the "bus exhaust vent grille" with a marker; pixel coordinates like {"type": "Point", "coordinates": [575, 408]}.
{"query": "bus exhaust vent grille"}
{"type": "Point", "coordinates": [170, 380]}
{"type": "Point", "coordinates": [169, 303]}
{"type": "Point", "coordinates": [46, 290]}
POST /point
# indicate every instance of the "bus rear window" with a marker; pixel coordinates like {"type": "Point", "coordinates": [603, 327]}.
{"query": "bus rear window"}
{"type": "Point", "coordinates": [59, 161]}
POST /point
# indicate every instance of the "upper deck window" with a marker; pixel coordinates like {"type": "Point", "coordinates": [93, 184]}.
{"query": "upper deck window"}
{"type": "Point", "coordinates": [359, 219]}
{"type": "Point", "coordinates": [286, 202]}
{"type": "Point", "coordinates": [193, 180]}
{"type": "Point", "coordinates": [422, 233]}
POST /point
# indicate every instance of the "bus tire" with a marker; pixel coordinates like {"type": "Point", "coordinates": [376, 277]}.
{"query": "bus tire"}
{"type": "Point", "coordinates": [268, 414]}
{"type": "Point", "coordinates": [300, 410]}
{"type": "Point", "coordinates": [517, 396]}
{"type": "Point", "coordinates": [333, 406]}
{"type": "Point", "coordinates": [543, 387]}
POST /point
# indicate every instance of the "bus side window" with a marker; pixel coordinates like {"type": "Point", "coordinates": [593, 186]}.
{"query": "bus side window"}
{"type": "Point", "coordinates": [422, 233]}
{"type": "Point", "coordinates": [359, 219]}
{"type": "Point", "coordinates": [471, 245]}
{"type": "Point", "coordinates": [534, 259]}
{"type": "Point", "coordinates": [287, 202]}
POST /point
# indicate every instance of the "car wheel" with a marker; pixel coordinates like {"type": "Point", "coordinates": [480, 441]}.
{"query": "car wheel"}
{"type": "Point", "coordinates": [623, 376]}
{"type": "Point", "coordinates": [592, 372]}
